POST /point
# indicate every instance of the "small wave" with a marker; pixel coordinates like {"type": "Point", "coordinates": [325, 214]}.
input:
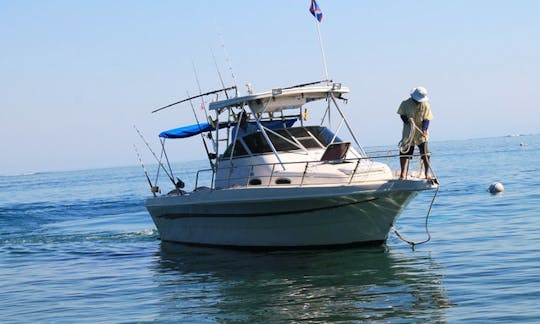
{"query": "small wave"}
{"type": "Point", "coordinates": [22, 174]}
{"type": "Point", "coordinates": [129, 236]}
{"type": "Point", "coordinates": [62, 210]}
{"type": "Point", "coordinates": [82, 238]}
{"type": "Point", "coordinates": [147, 232]}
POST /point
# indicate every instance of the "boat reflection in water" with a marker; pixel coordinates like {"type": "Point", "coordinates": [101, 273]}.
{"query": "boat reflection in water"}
{"type": "Point", "coordinates": [361, 284]}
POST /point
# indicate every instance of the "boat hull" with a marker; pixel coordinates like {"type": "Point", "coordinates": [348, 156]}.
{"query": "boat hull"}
{"type": "Point", "coordinates": [286, 217]}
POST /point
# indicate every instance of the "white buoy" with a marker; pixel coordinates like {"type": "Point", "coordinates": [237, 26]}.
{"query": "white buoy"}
{"type": "Point", "coordinates": [496, 187]}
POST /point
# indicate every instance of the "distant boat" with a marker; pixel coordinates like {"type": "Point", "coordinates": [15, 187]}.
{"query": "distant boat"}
{"type": "Point", "coordinates": [280, 183]}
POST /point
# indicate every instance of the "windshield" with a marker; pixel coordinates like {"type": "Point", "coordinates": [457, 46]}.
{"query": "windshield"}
{"type": "Point", "coordinates": [289, 139]}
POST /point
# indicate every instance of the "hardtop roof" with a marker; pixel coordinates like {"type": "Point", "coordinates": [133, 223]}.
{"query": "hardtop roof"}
{"type": "Point", "coordinates": [282, 98]}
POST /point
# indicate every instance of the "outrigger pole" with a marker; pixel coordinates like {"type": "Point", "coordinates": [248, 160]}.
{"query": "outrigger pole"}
{"type": "Point", "coordinates": [306, 84]}
{"type": "Point", "coordinates": [195, 97]}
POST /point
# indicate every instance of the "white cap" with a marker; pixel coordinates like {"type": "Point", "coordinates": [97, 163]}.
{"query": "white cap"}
{"type": "Point", "coordinates": [419, 94]}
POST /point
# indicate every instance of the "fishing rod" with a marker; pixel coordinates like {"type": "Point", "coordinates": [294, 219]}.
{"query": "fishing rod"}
{"type": "Point", "coordinates": [199, 86]}
{"type": "Point", "coordinates": [164, 153]}
{"type": "Point", "coordinates": [195, 97]}
{"type": "Point", "coordinates": [226, 56]}
{"type": "Point", "coordinates": [155, 156]}
{"type": "Point", "coordinates": [202, 136]}
{"type": "Point", "coordinates": [153, 188]}
{"type": "Point", "coordinates": [204, 106]}
{"type": "Point", "coordinates": [218, 72]}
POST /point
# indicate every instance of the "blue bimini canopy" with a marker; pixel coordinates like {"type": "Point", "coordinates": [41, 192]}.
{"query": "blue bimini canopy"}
{"type": "Point", "coordinates": [191, 130]}
{"type": "Point", "coordinates": [186, 131]}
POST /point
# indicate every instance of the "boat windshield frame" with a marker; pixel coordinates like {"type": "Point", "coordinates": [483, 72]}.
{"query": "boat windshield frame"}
{"type": "Point", "coordinates": [293, 139]}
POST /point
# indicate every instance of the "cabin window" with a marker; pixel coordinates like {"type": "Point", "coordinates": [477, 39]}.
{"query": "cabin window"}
{"type": "Point", "coordinates": [280, 144]}
{"type": "Point", "coordinates": [257, 144]}
{"type": "Point", "coordinates": [308, 137]}
{"type": "Point", "coordinates": [304, 137]}
{"type": "Point", "coordinates": [239, 150]}
{"type": "Point", "coordinates": [323, 134]}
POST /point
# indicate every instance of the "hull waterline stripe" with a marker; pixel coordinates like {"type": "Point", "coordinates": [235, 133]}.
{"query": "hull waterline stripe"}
{"type": "Point", "coordinates": [191, 215]}
{"type": "Point", "coordinates": [262, 248]}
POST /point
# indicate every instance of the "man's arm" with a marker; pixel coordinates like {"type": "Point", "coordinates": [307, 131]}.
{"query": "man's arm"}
{"type": "Point", "coordinates": [425, 125]}
{"type": "Point", "coordinates": [404, 118]}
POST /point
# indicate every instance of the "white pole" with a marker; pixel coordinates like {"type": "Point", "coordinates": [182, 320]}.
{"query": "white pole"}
{"type": "Point", "coordinates": [322, 49]}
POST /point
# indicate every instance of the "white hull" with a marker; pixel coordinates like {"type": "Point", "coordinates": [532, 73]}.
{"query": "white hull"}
{"type": "Point", "coordinates": [284, 217]}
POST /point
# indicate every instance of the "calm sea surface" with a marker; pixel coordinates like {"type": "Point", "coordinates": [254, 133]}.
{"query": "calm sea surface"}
{"type": "Point", "coordinates": [80, 247]}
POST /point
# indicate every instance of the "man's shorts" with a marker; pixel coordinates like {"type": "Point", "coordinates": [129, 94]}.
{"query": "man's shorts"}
{"type": "Point", "coordinates": [423, 147]}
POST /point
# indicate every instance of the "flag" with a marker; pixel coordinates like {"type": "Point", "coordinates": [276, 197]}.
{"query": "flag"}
{"type": "Point", "coordinates": [315, 10]}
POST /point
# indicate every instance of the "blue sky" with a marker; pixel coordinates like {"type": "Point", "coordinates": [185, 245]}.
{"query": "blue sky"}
{"type": "Point", "coordinates": [75, 76]}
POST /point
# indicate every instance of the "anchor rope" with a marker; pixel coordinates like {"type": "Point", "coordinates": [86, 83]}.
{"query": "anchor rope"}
{"type": "Point", "coordinates": [413, 243]}
{"type": "Point", "coordinates": [405, 143]}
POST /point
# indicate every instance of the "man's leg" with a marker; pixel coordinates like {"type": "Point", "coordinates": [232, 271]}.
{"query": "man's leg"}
{"type": "Point", "coordinates": [424, 152]}
{"type": "Point", "coordinates": [404, 162]}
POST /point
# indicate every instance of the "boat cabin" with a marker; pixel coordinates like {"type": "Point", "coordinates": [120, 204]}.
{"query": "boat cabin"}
{"type": "Point", "coordinates": [257, 143]}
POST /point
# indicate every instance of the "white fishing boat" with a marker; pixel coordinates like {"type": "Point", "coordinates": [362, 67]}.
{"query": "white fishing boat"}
{"type": "Point", "coordinates": [279, 182]}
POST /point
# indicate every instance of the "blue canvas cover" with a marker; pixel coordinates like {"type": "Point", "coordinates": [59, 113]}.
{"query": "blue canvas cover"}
{"type": "Point", "coordinates": [191, 130]}
{"type": "Point", "coordinates": [186, 131]}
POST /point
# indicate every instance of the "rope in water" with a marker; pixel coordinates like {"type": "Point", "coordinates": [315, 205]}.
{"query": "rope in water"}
{"type": "Point", "coordinates": [413, 243]}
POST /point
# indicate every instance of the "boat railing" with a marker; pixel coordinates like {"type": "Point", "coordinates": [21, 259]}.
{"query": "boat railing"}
{"type": "Point", "coordinates": [301, 173]}
{"type": "Point", "coordinates": [197, 176]}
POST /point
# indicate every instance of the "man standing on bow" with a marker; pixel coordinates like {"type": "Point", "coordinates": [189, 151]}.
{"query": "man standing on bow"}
{"type": "Point", "coordinates": [416, 114]}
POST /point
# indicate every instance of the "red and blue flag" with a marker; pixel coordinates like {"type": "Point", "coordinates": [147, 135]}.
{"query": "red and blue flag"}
{"type": "Point", "coordinates": [315, 10]}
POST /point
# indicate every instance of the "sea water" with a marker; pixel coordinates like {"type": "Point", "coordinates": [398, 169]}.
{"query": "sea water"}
{"type": "Point", "coordinates": [79, 246]}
